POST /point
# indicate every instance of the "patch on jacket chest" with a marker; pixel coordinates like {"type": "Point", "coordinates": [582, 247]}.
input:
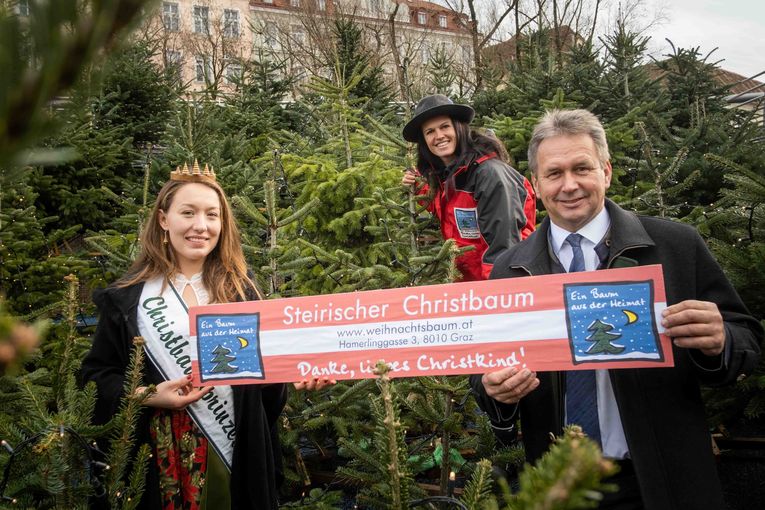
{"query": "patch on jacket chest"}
{"type": "Point", "coordinates": [467, 222]}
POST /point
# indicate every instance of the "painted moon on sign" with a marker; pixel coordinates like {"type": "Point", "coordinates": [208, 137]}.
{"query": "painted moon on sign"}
{"type": "Point", "coordinates": [242, 342]}
{"type": "Point", "coordinates": [631, 316]}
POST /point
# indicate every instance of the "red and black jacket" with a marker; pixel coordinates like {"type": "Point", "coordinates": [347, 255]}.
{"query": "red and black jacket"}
{"type": "Point", "coordinates": [490, 207]}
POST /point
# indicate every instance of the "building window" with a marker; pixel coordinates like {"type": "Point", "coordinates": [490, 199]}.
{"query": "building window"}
{"type": "Point", "coordinates": [230, 23]}
{"type": "Point", "coordinates": [170, 18]}
{"type": "Point", "coordinates": [467, 54]}
{"type": "Point", "coordinates": [22, 7]}
{"type": "Point", "coordinates": [322, 5]}
{"type": "Point", "coordinates": [422, 18]}
{"type": "Point", "coordinates": [268, 1]}
{"type": "Point", "coordinates": [375, 7]}
{"type": "Point", "coordinates": [202, 69]}
{"type": "Point", "coordinates": [233, 72]}
{"type": "Point", "coordinates": [295, 3]}
{"type": "Point", "coordinates": [425, 54]}
{"type": "Point", "coordinates": [173, 57]}
{"type": "Point", "coordinates": [173, 64]}
{"type": "Point", "coordinates": [269, 36]}
{"type": "Point", "coordinates": [201, 20]}
{"type": "Point", "coordinates": [442, 20]}
{"type": "Point", "coordinates": [298, 34]}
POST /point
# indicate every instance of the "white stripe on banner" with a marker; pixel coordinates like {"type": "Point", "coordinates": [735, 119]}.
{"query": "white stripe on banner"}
{"type": "Point", "coordinates": [514, 327]}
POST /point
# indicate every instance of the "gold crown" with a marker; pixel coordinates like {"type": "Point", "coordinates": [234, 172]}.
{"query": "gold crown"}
{"type": "Point", "coordinates": [193, 175]}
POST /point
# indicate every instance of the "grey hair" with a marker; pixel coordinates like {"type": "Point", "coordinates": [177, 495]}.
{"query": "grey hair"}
{"type": "Point", "coordinates": [568, 123]}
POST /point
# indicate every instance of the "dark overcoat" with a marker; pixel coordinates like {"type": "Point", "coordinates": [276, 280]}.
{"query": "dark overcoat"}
{"type": "Point", "coordinates": [661, 408]}
{"type": "Point", "coordinates": [256, 465]}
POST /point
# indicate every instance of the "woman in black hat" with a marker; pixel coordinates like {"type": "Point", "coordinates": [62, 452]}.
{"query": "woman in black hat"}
{"type": "Point", "coordinates": [479, 198]}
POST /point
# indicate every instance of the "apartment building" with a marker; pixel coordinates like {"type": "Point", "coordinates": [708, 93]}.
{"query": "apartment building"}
{"type": "Point", "coordinates": [206, 41]}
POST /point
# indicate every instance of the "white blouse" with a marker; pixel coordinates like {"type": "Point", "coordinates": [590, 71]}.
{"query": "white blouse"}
{"type": "Point", "coordinates": [197, 285]}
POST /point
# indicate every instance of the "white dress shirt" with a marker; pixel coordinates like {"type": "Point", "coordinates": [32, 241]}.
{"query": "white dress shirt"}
{"type": "Point", "coordinates": [611, 431]}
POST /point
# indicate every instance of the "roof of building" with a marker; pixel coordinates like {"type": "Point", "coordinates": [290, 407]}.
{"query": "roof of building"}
{"type": "Point", "coordinates": [505, 50]}
{"type": "Point", "coordinates": [456, 21]}
{"type": "Point", "coordinates": [737, 83]}
{"type": "Point", "coordinates": [430, 6]}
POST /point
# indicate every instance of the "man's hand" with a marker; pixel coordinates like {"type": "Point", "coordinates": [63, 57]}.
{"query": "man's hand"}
{"type": "Point", "coordinates": [409, 178]}
{"type": "Point", "coordinates": [695, 325]}
{"type": "Point", "coordinates": [314, 384]}
{"type": "Point", "coordinates": [509, 385]}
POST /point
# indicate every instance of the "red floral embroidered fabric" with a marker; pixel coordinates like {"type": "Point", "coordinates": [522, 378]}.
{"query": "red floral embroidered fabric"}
{"type": "Point", "coordinates": [180, 452]}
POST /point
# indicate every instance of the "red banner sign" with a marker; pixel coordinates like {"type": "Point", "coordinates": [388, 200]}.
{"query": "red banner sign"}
{"type": "Point", "coordinates": [570, 321]}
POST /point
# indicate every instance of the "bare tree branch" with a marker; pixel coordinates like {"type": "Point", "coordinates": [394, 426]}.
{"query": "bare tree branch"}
{"type": "Point", "coordinates": [498, 23]}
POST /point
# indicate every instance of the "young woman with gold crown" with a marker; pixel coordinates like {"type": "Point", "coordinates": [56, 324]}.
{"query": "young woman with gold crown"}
{"type": "Point", "coordinates": [212, 447]}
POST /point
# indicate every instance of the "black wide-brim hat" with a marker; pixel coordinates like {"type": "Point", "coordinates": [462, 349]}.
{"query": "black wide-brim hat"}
{"type": "Point", "coordinates": [433, 106]}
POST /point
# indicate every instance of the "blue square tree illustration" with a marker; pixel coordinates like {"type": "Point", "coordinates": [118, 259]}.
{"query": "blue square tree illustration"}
{"type": "Point", "coordinates": [229, 346]}
{"type": "Point", "coordinates": [612, 322]}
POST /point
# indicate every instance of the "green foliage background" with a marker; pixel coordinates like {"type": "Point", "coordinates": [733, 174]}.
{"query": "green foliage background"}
{"type": "Point", "coordinates": [315, 186]}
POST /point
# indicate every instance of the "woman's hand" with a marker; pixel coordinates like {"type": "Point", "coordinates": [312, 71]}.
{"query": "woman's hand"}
{"type": "Point", "coordinates": [175, 394]}
{"type": "Point", "coordinates": [314, 384]}
{"type": "Point", "coordinates": [409, 178]}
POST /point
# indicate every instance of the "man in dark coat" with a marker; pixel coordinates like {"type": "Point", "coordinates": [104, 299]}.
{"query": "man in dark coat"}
{"type": "Point", "coordinates": [651, 421]}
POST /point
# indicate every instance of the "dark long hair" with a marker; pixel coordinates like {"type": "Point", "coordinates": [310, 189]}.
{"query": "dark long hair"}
{"type": "Point", "coordinates": [471, 144]}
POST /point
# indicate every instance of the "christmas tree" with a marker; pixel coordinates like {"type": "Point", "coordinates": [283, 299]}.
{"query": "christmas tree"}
{"type": "Point", "coordinates": [602, 338]}
{"type": "Point", "coordinates": [53, 460]}
{"type": "Point", "coordinates": [222, 360]}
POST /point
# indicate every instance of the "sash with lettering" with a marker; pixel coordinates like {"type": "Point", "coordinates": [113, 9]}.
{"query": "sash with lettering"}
{"type": "Point", "coordinates": [163, 321]}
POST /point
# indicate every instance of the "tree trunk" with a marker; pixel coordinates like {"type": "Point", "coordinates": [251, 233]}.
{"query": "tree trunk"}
{"type": "Point", "coordinates": [400, 70]}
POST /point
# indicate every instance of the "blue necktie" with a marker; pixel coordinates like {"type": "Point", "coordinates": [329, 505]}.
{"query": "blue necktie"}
{"type": "Point", "coordinates": [581, 390]}
{"type": "Point", "coordinates": [577, 263]}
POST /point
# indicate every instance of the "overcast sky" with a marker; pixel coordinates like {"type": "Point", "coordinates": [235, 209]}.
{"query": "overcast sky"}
{"type": "Point", "coordinates": [735, 27]}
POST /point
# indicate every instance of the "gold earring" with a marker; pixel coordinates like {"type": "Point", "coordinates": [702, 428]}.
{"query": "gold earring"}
{"type": "Point", "coordinates": [165, 241]}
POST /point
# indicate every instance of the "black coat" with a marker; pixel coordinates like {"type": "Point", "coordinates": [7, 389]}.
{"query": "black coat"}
{"type": "Point", "coordinates": [256, 465]}
{"type": "Point", "coordinates": [661, 408]}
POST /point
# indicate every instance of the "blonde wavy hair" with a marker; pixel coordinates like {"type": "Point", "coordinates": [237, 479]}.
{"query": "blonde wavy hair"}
{"type": "Point", "coordinates": [225, 270]}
